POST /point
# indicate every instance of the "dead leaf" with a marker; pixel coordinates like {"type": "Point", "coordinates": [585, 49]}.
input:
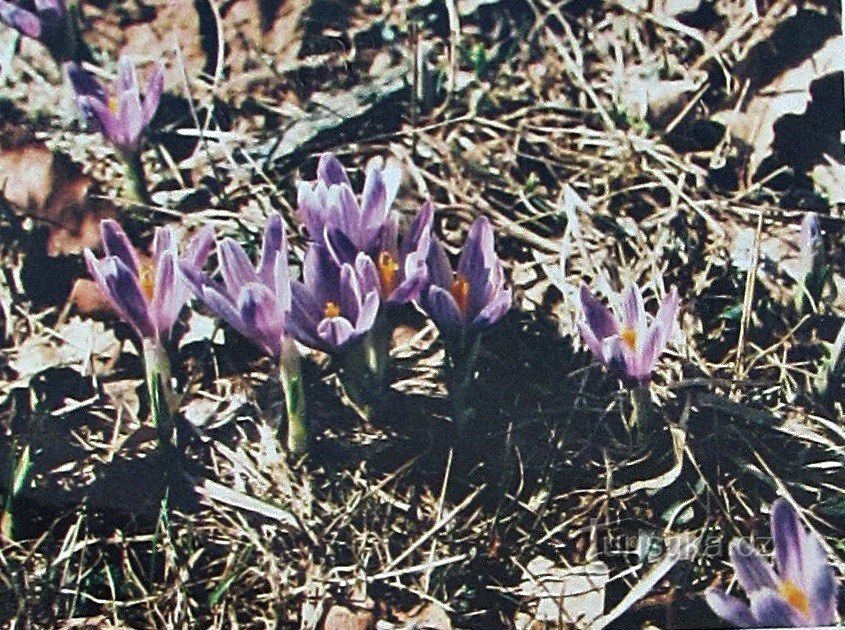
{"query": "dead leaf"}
{"type": "Point", "coordinates": [343, 618]}
{"type": "Point", "coordinates": [427, 616]}
{"type": "Point", "coordinates": [52, 189]}
{"type": "Point", "coordinates": [787, 93]}
{"type": "Point", "coordinates": [562, 595]}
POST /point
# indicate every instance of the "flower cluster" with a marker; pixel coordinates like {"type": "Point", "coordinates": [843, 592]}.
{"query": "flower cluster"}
{"type": "Point", "coordinates": [358, 264]}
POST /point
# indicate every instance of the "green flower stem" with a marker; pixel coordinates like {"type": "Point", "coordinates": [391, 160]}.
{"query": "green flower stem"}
{"type": "Point", "coordinates": [135, 178]}
{"type": "Point", "coordinates": [642, 410]}
{"type": "Point", "coordinates": [832, 374]}
{"type": "Point", "coordinates": [163, 400]}
{"type": "Point", "coordinates": [290, 375]}
{"type": "Point", "coordinates": [366, 365]}
{"type": "Point", "coordinates": [461, 355]}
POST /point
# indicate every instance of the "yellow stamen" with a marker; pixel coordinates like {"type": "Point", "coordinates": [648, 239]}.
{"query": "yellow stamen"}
{"type": "Point", "coordinates": [331, 310]}
{"type": "Point", "coordinates": [113, 104]}
{"type": "Point", "coordinates": [387, 269]}
{"type": "Point", "coordinates": [147, 280]}
{"type": "Point", "coordinates": [629, 338]}
{"type": "Point", "coordinates": [795, 596]}
{"type": "Point", "coordinates": [460, 291]}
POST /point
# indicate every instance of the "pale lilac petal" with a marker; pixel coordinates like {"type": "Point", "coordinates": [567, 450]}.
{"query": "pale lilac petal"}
{"type": "Point", "coordinates": [335, 332]}
{"type": "Point", "coordinates": [309, 209]}
{"type": "Point", "coordinates": [367, 273]}
{"type": "Point", "coordinates": [340, 247]}
{"type": "Point", "coordinates": [105, 120]}
{"type": "Point", "coordinates": [235, 266]}
{"type": "Point", "coordinates": [595, 344]}
{"type": "Point", "coordinates": [282, 282]}
{"type": "Point", "coordinates": [770, 610]}
{"type": "Point", "coordinates": [273, 245]}
{"type": "Point", "coordinates": [752, 571]}
{"type": "Point", "coordinates": [127, 77]}
{"type": "Point", "coordinates": [729, 608]}
{"type": "Point", "coordinates": [221, 305]}
{"type": "Point", "coordinates": [389, 236]}
{"type": "Point", "coordinates": [131, 118]}
{"type": "Point", "coordinates": [116, 243]}
{"type": "Point", "coordinates": [392, 175]}
{"type": "Point", "coordinates": [305, 316]}
{"type": "Point", "coordinates": [373, 200]}
{"type": "Point", "coordinates": [633, 309]}
{"type": "Point", "coordinates": [418, 239]}
{"type": "Point", "coordinates": [350, 296]}
{"type": "Point", "coordinates": [25, 22]}
{"type": "Point", "coordinates": [495, 309]}
{"type": "Point", "coordinates": [367, 313]}
{"type": "Point", "coordinates": [199, 248]}
{"type": "Point", "coordinates": [164, 239]}
{"type": "Point", "coordinates": [331, 171]}
{"type": "Point", "coordinates": [169, 297]}
{"type": "Point", "coordinates": [152, 95]}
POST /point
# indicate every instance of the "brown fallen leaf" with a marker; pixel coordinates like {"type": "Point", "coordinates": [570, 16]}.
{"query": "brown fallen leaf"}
{"type": "Point", "coordinates": [52, 189]}
{"type": "Point", "coordinates": [343, 618]}
{"type": "Point", "coordinates": [787, 93]}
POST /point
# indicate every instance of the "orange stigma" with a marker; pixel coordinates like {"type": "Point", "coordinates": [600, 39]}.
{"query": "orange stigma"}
{"type": "Point", "coordinates": [331, 310]}
{"type": "Point", "coordinates": [147, 280]}
{"type": "Point", "coordinates": [795, 596]}
{"type": "Point", "coordinates": [629, 337]}
{"type": "Point", "coordinates": [460, 291]}
{"type": "Point", "coordinates": [387, 268]}
{"type": "Point", "coordinates": [113, 104]}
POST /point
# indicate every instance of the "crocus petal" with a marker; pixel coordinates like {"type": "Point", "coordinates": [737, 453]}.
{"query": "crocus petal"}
{"type": "Point", "coordinates": [478, 252]}
{"type": "Point", "coordinates": [131, 117]}
{"type": "Point", "coordinates": [418, 238]}
{"type": "Point", "coordinates": [335, 332]}
{"type": "Point", "coordinates": [373, 199]}
{"type": "Point", "coordinates": [220, 304]}
{"type": "Point", "coordinates": [309, 209]}
{"type": "Point", "coordinates": [340, 247]}
{"type": "Point", "coordinates": [127, 77]}
{"type": "Point", "coordinates": [633, 309]}
{"type": "Point", "coordinates": [21, 20]}
{"type": "Point", "coordinates": [331, 171]}
{"type": "Point", "coordinates": [392, 175]}
{"type": "Point", "coordinates": [56, 6]}
{"type": "Point", "coordinates": [802, 560]}
{"type": "Point", "coordinates": [367, 273]}
{"type": "Point", "coordinates": [443, 309]}
{"type": "Point", "coordinates": [164, 239]}
{"type": "Point", "coordinates": [121, 287]}
{"type": "Point", "coordinates": [170, 295]}
{"type": "Point", "coordinates": [600, 320]}
{"type": "Point", "coordinates": [439, 269]}
{"type": "Point", "coordinates": [367, 313]}
{"type": "Point", "coordinates": [262, 321]}
{"type": "Point", "coordinates": [116, 243]}
{"type": "Point", "coordinates": [729, 608]}
{"type": "Point", "coordinates": [281, 283]}
{"type": "Point", "coordinates": [495, 309]}
{"type": "Point", "coordinates": [593, 343]}
{"type": "Point", "coordinates": [789, 537]}
{"type": "Point", "coordinates": [272, 246]}
{"type": "Point", "coordinates": [105, 120]}
{"type": "Point", "coordinates": [350, 293]}
{"type": "Point", "coordinates": [752, 571]}
{"type": "Point", "coordinates": [770, 610]}
{"type": "Point", "coordinates": [305, 316]}
{"type": "Point", "coordinates": [235, 266]}
{"type": "Point", "coordinates": [199, 248]}
{"type": "Point", "coordinates": [152, 95]}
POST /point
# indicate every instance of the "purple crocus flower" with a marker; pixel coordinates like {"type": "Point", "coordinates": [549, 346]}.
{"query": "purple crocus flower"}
{"type": "Point", "coordinates": [473, 296]}
{"type": "Point", "coordinates": [122, 115]}
{"type": "Point", "coordinates": [329, 208]}
{"type": "Point", "coordinates": [254, 300]}
{"type": "Point", "coordinates": [802, 592]}
{"type": "Point", "coordinates": [47, 21]}
{"type": "Point", "coordinates": [334, 305]}
{"type": "Point", "coordinates": [400, 270]}
{"type": "Point", "coordinates": [147, 294]}
{"type": "Point", "coordinates": [628, 343]}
